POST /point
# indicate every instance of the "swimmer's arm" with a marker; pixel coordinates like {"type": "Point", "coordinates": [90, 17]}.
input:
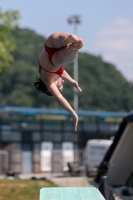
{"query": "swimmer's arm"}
{"type": "Point", "coordinates": [67, 76]}
{"type": "Point", "coordinates": [64, 103]}
{"type": "Point", "coordinates": [71, 80]}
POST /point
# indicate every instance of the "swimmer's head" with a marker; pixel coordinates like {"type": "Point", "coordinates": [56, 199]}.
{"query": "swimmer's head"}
{"type": "Point", "coordinates": [60, 84]}
{"type": "Point", "coordinates": [41, 87]}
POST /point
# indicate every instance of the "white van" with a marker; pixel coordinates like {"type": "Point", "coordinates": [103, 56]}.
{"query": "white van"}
{"type": "Point", "coordinates": [95, 151]}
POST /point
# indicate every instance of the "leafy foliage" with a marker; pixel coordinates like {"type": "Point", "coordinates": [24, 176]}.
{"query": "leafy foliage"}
{"type": "Point", "coordinates": [8, 21]}
{"type": "Point", "coordinates": [104, 87]}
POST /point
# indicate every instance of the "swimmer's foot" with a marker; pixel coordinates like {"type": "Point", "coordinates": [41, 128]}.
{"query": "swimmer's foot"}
{"type": "Point", "coordinates": [76, 45]}
{"type": "Point", "coordinates": [71, 39]}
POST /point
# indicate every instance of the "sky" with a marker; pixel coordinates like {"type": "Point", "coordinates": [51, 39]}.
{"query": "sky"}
{"type": "Point", "coordinates": [106, 25]}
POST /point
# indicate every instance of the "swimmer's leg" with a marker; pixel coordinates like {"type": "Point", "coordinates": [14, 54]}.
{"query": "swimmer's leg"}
{"type": "Point", "coordinates": [68, 45]}
{"type": "Point", "coordinates": [73, 42]}
{"type": "Point", "coordinates": [61, 39]}
{"type": "Point", "coordinates": [56, 40]}
{"type": "Point", "coordinates": [67, 54]}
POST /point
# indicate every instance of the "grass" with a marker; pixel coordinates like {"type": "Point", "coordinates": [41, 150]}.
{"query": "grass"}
{"type": "Point", "coordinates": [18, 189]}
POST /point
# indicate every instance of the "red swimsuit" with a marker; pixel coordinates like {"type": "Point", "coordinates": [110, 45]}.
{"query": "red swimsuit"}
{"type": "Point", "coordinates": [51, 52]}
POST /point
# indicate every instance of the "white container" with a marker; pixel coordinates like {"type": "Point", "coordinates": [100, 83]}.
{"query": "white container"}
{"type": "Point", "coordinates": [68, 154]}
{"type": "Point", "coordinates": [46, 156]}
{"type": "Point", "coordinates": [95, 151]}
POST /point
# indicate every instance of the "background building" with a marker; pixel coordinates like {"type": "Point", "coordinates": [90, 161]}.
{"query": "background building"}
{"type": "Point", "coordinates": [41, 140]}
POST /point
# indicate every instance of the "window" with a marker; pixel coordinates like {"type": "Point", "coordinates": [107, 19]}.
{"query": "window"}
{"type": "Point", "coordinates": [36, 136]}
{"type": "Point", "coordinates": [6, 133]}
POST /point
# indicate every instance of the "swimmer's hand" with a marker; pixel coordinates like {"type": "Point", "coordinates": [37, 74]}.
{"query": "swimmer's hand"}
{"type": "Point", "coordinates": [75, 119]}
{"type": "Point", "coordinates": [77, 86]}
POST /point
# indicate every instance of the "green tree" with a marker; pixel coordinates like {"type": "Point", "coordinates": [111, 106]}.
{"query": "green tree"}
{"type": "Point", "coordinates": [8, 21]}
{"type": "Point", "coordinates": [104, 87]}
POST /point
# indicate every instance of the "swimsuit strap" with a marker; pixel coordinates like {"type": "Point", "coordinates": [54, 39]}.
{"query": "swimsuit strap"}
{"type": "Point", "coordinates": [58, 72]}
{"type": "Point", "coordinates": [50, 52]}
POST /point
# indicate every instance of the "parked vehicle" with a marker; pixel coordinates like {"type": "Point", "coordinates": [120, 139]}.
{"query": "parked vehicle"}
{"type": "Point", "coordinates": [95, 151]}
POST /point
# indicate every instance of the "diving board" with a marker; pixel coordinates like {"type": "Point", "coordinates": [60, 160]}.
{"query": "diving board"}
{"type": "Point", "coordinates": [70, 193]}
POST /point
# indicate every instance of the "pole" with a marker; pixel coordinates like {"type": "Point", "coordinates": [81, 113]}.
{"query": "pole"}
{"type": "Point", "coordinates": [76, 79]}
{"type": "Point", "coordinates": [75, 20]}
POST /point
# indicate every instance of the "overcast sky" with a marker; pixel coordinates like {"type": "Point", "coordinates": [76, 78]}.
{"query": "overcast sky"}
{"type": "Point", "coordinates": [106, 28]}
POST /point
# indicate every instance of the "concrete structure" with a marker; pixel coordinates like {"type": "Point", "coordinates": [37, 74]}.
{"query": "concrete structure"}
{"type": "Point", "coordinates": [39, 139]}
{"type": "Point", "coordinates": [120, 155]}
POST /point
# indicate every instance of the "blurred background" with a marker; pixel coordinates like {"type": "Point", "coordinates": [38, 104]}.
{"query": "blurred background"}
{"type": "Point", "coordinates": [36, 134]}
